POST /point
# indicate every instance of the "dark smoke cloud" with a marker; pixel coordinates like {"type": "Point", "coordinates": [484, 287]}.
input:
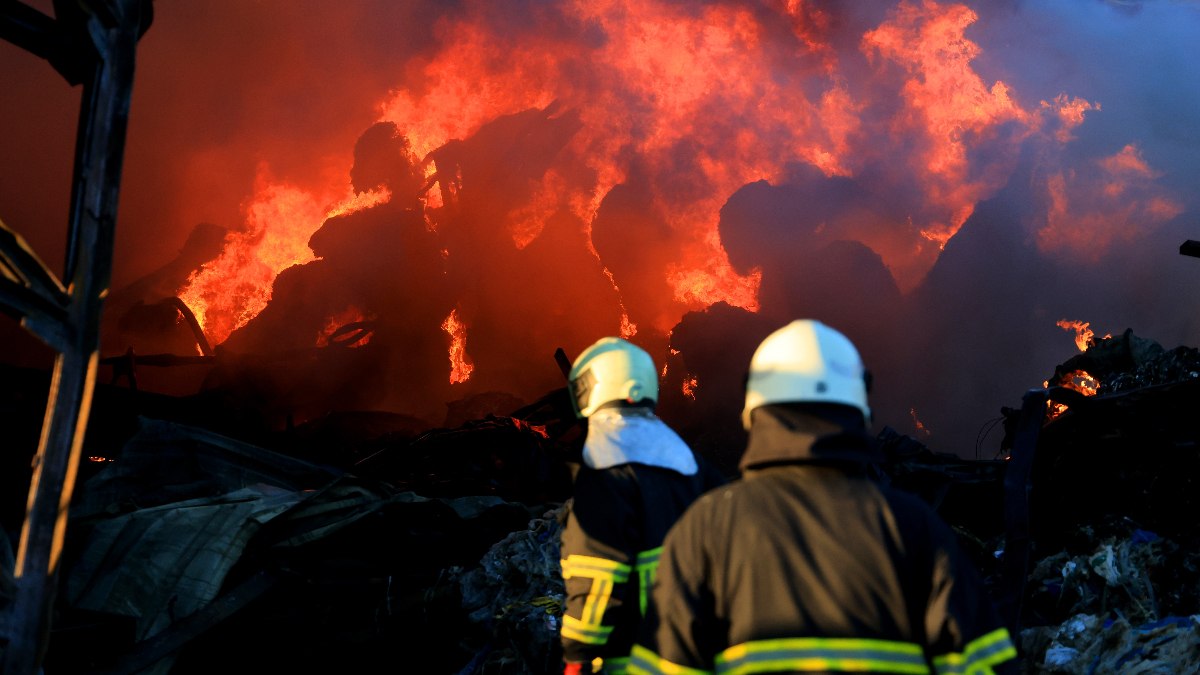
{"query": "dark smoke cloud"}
{"type": "Point", "coordinates": [226, 88]}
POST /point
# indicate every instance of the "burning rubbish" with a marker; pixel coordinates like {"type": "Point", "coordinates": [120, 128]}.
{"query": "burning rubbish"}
{"type": "Point", "coordinates": [685, 174]}
{"type": "Point", "coordinates": [785, 160]}
{"type": "Point", "coordinates": [398, 535]}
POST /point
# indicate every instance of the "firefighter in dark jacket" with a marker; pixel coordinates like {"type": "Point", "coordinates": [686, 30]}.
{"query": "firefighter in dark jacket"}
{"type": "Point", "coordinates": [636, 477]}
{"type": "Point", "coordinates": [806, 563]}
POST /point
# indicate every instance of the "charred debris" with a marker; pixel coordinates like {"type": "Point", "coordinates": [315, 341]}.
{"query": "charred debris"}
{"type": "Point", "coordinates": [198, 539]}
{"type": "Point", "coordinates": [362, 541]}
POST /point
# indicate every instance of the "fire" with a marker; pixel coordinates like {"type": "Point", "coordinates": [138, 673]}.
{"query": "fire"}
{"type": "Point", "coordinates": [1077, 380]}
{"type": "Point", "coordinates": [685, 104]}
{"type": "Point", "coordinates": [231, 290]}
{"type": "Point", "coordinates": [710, 90]}
{"type": "Point", "coordinates": [1083, 332]}
{"type": "Point", "coordinates": [1106, 203]}
{"type": "Point", "coordinates": [460, 364]}
{"type": "Point", "coordinates": [1070, 114]}
{"type": "Point", "coordinates": [917, 423]}
{"type": "Point", "coordinates": [948, 105]}
{"type": "Point", "coordinates": [672, 352]}
{"type": "Point", "coordinates": [628, 328]}
{"type": "Point", "coordinates": [690, 383]}
{"type": "Point", "coordinates": [1080, 381]}
{"type": "Point", "coordinates": [526, 222]}
{"type": "Point", "coordinates": [347, 316]}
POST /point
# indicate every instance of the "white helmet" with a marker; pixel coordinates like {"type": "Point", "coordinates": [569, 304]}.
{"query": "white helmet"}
{"type": "Point", "coordinates": [806, 362]}
{"type": "Point", "coordinates": [612, 369]}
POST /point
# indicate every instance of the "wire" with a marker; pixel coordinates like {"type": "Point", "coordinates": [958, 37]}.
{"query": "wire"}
{"type": "Point", "coordinates": [984, 430]}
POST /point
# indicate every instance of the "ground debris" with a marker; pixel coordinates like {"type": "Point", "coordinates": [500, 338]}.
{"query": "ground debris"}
{"type": "Point", "coordinates": [516, 595]}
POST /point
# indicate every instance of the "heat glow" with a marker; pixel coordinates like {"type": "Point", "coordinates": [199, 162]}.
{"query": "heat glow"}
{"type": "Point", "coordinates": [231, 290]}
{"type": "Point", "coordinates": [460, 364]}
{"type": "Point", "coordinates": [710, 99]}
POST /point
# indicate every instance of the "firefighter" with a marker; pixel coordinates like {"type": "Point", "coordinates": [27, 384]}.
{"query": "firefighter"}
{"type": "Point", "coordinates": [636, 476]}
{"type": "Point", "coordinates": [806, 563]}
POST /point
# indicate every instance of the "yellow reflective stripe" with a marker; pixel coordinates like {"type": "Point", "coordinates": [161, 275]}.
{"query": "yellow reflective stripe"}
{"type": "Point", "coordinates": [979, 655]}
{"type": "Point", "coordinates": [604, 575]}
{"type": "Point", "coordinates": [589, 566]}
{"type": "Point", "coordinates": [647, 568]}
{"type": "Point", "coordinates": [587, 633]}
{"type": "Point", "coordinates": [829, 654]}
{"type": "Point", "coordinates": [642, 661]}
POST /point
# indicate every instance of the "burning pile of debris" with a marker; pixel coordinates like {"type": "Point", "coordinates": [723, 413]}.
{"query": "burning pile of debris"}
{"type": "Point", "coordinates": [355, 542]}
{"type": "Point", "coordinates": [1108, 526]}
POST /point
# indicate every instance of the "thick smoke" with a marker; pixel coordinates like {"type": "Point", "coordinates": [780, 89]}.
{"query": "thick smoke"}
{"type": "Point", "coordinates": [942, 182]}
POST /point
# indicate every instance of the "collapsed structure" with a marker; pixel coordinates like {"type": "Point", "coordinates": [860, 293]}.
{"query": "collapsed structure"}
{"type": "Point", "coordinates": [360, 540]}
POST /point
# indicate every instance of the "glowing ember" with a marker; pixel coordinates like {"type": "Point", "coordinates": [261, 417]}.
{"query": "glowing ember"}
{"type": "Point", "coordinates": [1076, 380]}
{"type": "Point", "coordinates": [628, 327]}
{"type": "Point", "coordinates": [690, 383]}
{"type": "Point", "coordinates": [1081, 381]}
{"type": "Point", "coordinates": [460, 364]}
{"type": "Point", "coordinates": [346, 317]}
{"type": "Point", "coordinates": [917, 423]}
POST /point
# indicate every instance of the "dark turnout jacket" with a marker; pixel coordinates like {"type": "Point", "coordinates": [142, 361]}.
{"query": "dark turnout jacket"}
{"type": "Point", "coordinates": [808, 564]}
{"type": "Point", "coordinates": [620, 511]}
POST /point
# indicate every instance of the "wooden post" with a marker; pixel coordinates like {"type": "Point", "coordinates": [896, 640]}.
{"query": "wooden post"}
{"type": "Point", "coordinates": [92, 42]}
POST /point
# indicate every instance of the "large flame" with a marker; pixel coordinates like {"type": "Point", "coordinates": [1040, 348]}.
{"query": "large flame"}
{"type": "Point", "coordinates": [708, 90]}
{"type": "Point", "coordinates": [235, 287]}
{"type": "Point", "coordinates": [886, 126]}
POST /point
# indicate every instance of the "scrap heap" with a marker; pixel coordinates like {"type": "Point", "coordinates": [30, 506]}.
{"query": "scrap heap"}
{"type": "Point", "coordinates": [1114, 580]}
{"type": "Point", "coordinates": [360, 540]}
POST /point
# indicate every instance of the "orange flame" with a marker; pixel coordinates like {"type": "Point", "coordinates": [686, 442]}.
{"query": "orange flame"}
{"type": "Point", "coordinates": [710, 87]}
{"type": "Point", "coordinates": [347, 316]}
{"type": "Point", "coordinates": [628, 327]}
{"type": "Point", "coordinates": [690, 383]}
{"type": "Point", "coordinates": [949, 105]}
{"type": "Point", "coordinates": [231, 290]}
{"type": "Point", "coordinates": [1099, 206]}
{"type": "Point", "coordinates": [917, 423]}
{"type": "Point", "coordinates": [1077, 380]}
{"type": "Point", "coordinates": [460, 364]}
{"type": "Point", "coordinates": [526, 222]}
{"type": "Point", "coordinates": [1083, 332]}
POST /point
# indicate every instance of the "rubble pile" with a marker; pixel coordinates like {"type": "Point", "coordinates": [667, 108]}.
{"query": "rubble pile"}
{"type": "Point", "coordinates": [1114, 579]}
{"type": "Point", "coordinates": [1129, 362]}
{"type": "Point", "coordinates": [516, 594]}
{"type": "Point", "coordinates": [1128, 604]}
{"type": "Point", "coordinates": [359, 540]}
